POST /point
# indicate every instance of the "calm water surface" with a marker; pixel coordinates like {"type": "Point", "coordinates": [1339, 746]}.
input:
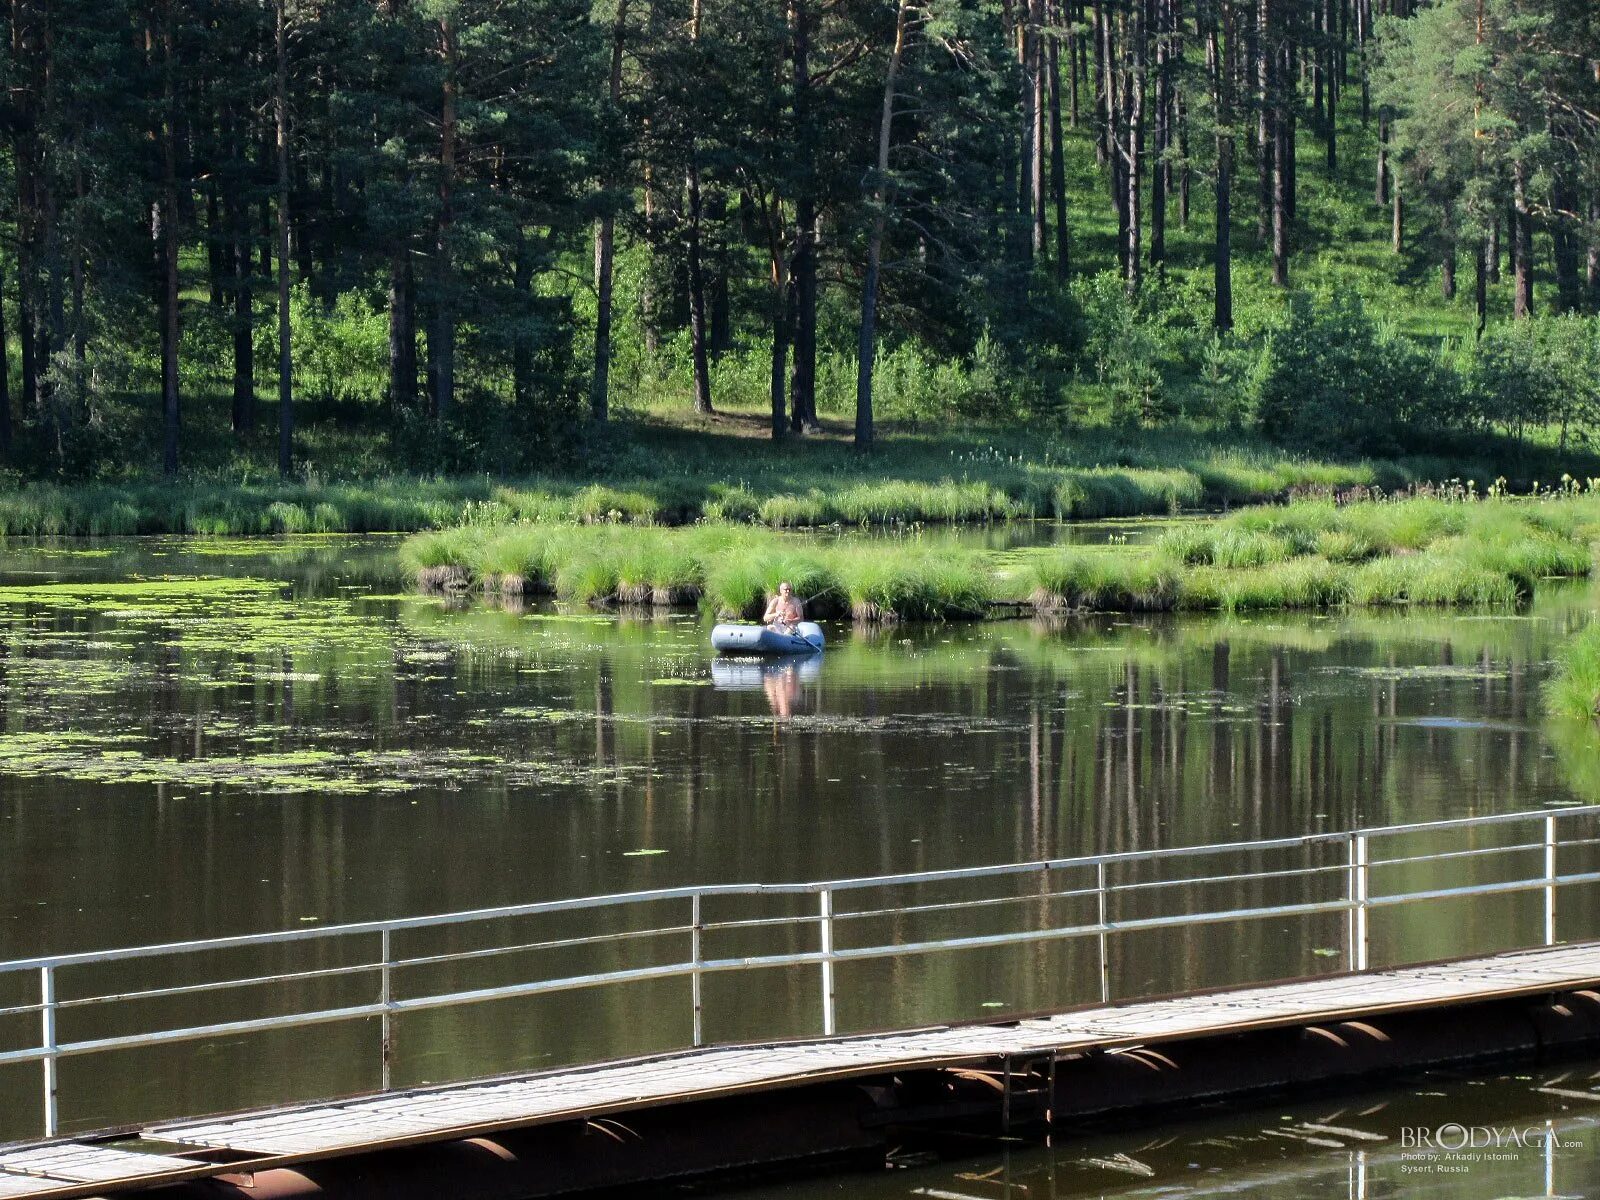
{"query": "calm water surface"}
{"type": "Point", "coordinates": [209, 738]}
{"type": "Point", "coordinates": [1352, 1148]}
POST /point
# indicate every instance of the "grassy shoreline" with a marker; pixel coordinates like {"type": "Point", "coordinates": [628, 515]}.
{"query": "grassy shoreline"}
{"type": "Point", "coordinates": [664, 474]}
{"type": "Point", "coordinates": [1463, 551]}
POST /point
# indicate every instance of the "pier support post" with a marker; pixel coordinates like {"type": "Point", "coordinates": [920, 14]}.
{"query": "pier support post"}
{"type": "Point", "coordinates": [1550, 881]}
{"type": "Point", "coordinates": [825, 920]}
{"type": "Point", "coordinates": [694, 956]}
{"type": "Point", "coordinates": [48, 1043]}
{"type": "Point", "coordinates": [386, 998]}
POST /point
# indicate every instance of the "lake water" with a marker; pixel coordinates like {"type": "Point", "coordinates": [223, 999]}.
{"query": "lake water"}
{"type": "Point", "coordinates": [1522, 1134]}
{"type": "Point", "coordinates": [200, 739]}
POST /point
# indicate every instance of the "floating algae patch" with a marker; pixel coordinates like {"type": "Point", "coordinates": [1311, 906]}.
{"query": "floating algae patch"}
{"type": "Point", "coordinates": [70, 676]}
{"type": "Point", "coordinates": [1426, 671]}
{"type": "Point", "coordinates": [680, 681]}
{"type": "Point", "coordinates": [553, 715]}
{"type": "Point", "coordinates": [94, 758]}
{"type": "Point", "coordinates": [142, 592]}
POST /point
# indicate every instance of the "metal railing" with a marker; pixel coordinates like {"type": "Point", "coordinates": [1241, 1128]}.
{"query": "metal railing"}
{"type": "Point", "coordinates": [1323, 873]}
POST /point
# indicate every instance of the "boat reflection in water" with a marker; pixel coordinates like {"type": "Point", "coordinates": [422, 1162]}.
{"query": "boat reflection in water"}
{"type": "Point", "coordinates": [781, 679]}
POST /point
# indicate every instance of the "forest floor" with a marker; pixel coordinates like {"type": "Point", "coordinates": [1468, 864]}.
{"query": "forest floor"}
{"type": "Point", "coordinates": [675, 467]}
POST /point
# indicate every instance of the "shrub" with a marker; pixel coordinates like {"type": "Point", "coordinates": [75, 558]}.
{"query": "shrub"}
{"type": "Point", "coordinates": [1335, 379]}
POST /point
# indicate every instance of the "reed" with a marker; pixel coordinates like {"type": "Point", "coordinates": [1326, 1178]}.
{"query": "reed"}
{"type": "Point", "coordinates": [1574, 690]}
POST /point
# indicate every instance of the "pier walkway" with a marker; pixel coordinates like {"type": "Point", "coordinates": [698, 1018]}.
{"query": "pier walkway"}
{"type": "Point", "coordinates": [1346, 876]}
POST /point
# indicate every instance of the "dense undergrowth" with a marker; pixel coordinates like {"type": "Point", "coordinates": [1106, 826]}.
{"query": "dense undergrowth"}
{"type": "Point", "coordinates": [1307, 554]}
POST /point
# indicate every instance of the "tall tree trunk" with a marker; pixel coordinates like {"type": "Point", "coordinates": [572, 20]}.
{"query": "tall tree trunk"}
{"type": "Point", "coordinates": [5, 378]}
{"type": "Point", "coordinates": [720, 315]}
{"type": "Point", "coordinates": [1162, 173]}
{"type": "Point", "coordinates": [1494, 249]}
{"type": "Point", "coordinates": [1380, 191]}
{"type": "Point", "coordinates": [24, 51]}
{"type": "Point", "coordinates": [165, 231]}
{"type": "Point", "coordinates": [1266, 142]}
{"type": "Point", "coordinates": [216, 243]}
{"type": "Point", "coordinates": [402, 330]}
{"type": "Point", "coordinates": [1222, 98]}
{"type": "Point", "coordinates": [80, 315]}
{"type": "Point", "coordinates": [867, 349]}
{"type": "Point", "coordinates": [1058, 165]}
{"type": "Point", "coordinates": [1104, 102]}
{"type": "Point", "coordinates": [803, 380]}
{"type": "Point", "coordinates": [1521, 243]}
{"type": "Point", "coordinates": [1330, 58]}
{"type": "Point", "coordinates": [442, 336]}
{"type": "Point", "coordinates": [1398, 218]}
{"type": "Point", "coordinates": [1185, 173]}
{"type": "Point", "coordinates": [1138, 29]}
{"type": "Point", "coordinates": [605, 239]}
{"type": "Point", "coordinates": [1036, 175]}
{"type": "Point", "coordinates": [1447, 272]}
{"type": "Point", "coordinates": [522, 342]}
{"type": "Point", "coordinates": [697, 281]}
{"type": "Point", "coordinates": [280, 113]}
{"type": "Point", "coordinates": [244, 343]}
{"type": "Point", "coordinates": [1592, 266]}
{"type": "Point", "coordinates": [1363, 33]}
{"type": "Point", "coordinates": [1282, 161]}
{"type": "Point", "coordinates": [1072, 62]}
{"type": "Point", "coordinates": [1289, 124]}
{"type": "Point", "coordinates": [783, 305]}
{"type": "Point", "coordinates": [783, 311]}
{"type": "Point", "coordinates": [1564, 246]}
{"type": "Point", "coordinates": [1480, 289]}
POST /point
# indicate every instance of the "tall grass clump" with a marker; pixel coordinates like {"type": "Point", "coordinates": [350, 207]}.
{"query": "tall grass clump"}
{"type": "Point", "coordinates": [738, 584]}
{"type": "Point", "coordinates": [445, 558]}
{"type": "Point", "coordinates": [1125, 492]}
{"type": "Point", "coordinates": [519, 560]}
{"type": "Point", "coordinates": [1574, 690]}
{"type": "Point", "coordinates": [886, 584]}
{"type": "Point", "coordinates": [1301, 583]}
{"type": "Point", "coordinates": [1103, 582]}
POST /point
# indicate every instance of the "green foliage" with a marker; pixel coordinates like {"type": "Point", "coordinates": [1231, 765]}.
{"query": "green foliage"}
{"type": "Point", "coordinates": [1336, 377]}
{"type": "Point", "coordinates": [341, 352]}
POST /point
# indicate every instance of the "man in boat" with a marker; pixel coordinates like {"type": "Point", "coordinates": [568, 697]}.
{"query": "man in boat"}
{"type": "Point", "coordinates": [783, 612]}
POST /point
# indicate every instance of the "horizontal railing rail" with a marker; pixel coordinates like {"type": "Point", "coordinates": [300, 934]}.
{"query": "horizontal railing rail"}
{"type": "Point", "coordinates": [1154, 876]}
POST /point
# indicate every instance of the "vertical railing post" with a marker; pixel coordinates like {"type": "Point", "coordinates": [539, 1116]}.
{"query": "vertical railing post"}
{"type": "Point", "coordinates": [1105, 959]}
{"type": "Point", "coordinates": [1550, 881]}
{"type": "Point", "coordinates": [825, 915]}
{"type": "Point", "coordinates": [386, 998]}
{"type": "Point", "coordinates": [48, 1043]}
{"type": "Point", "coordinates": [1359, 940]}
{"type": "Point", "coordinates": [694, 955]}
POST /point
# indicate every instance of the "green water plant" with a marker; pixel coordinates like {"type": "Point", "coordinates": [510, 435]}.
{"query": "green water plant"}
{"type": "Point", "coordinates": [1574, 690]}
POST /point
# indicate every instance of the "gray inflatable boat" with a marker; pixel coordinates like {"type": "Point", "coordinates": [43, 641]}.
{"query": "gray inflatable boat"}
{"type": "Point", "coordinates": [758, 639]}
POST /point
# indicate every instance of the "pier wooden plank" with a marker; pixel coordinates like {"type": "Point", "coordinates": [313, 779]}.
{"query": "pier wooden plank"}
{"type": "Point", "coordinates": [88, 1163]}
{"type": "Point", "coordinates": [25, 1185]}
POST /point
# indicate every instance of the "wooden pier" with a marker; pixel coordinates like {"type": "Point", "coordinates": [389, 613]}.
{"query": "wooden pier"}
{"type": "Point", "coordinates": [242, 1145]}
